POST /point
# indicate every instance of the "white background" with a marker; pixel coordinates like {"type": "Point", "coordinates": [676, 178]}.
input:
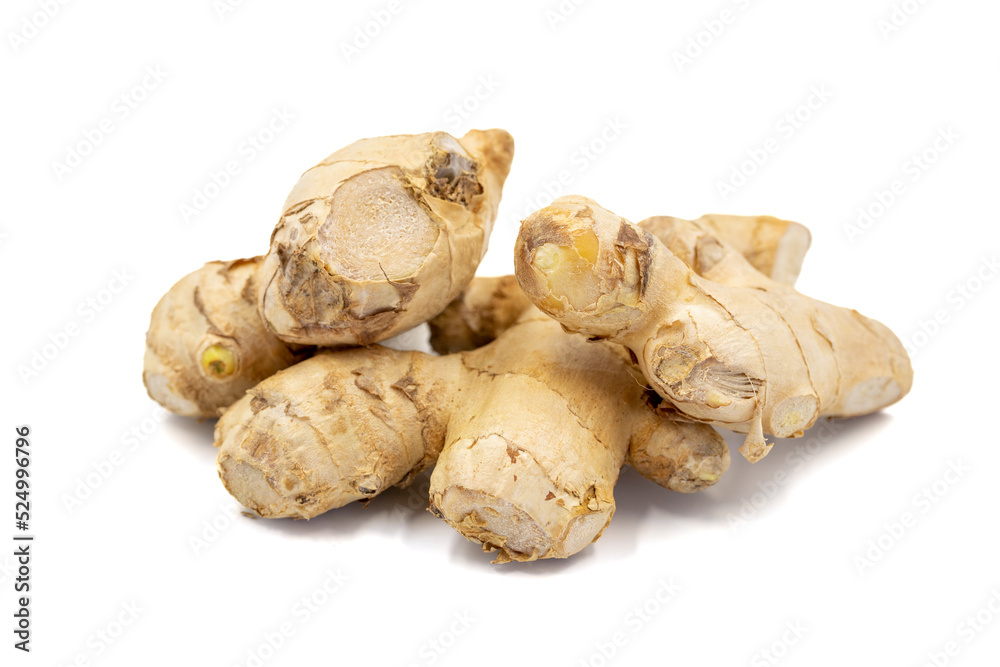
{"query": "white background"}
{"type": "Point", "coordinates": [799, 540]}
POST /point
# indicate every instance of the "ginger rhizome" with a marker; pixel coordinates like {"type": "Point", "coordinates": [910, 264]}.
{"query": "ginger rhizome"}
{"type": "Point", "coordinates": [773, 246]}
{"type": "Point", "coordinates": [206, 345]}
{"type": "Point", "coordinates": [382, 235]}
{"type": "Point", "coordinates": [722, 342]}
{"type": "Point", "coordinates": [200, 333]}
{"type": "Point", "coordinates": [487, 308]}
{"type": "Point", "coordinates": [530, 413]}
{"type": "Point", "coordinates": [376, 239]}
{"type": "Point", "coordinates": [529, 434]}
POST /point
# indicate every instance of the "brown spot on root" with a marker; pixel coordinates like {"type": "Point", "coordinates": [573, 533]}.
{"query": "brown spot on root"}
{"type": "Point", "coordinates": [512, 452]}
{"type": "Point", "coordinates": [452, 177]}
{"type": "Point", "coordinates": [262, 448]}
{"type": "Point", "coordinates": [257, 403]}
{"type": "Point", "coordinates": [426, 399]}
{"type": "Point", "coordinates": [542, 231]}
{"type": "Point", "coordinates": [550, 496]}
{"type": "Point", "coordinates": [305, 498]}
{"type": "Point", "coordinates": [407, 385]}
{"type": "Point", "coordinates": [365, 380]}
{"type": "Point", "coordinates": [322, 303]}
{"type": "Point", "coordinates": [249, 292]}
{"type": "Point", "coordinates": [641, 242]}
{"type": "Point", "coordinates": [200, 307]}
{"type": "Point", "coordinates": [708, 252]}
{"type": "Point", "coordinates": [658, 468]}
{"type": "Point", "coordinates": [545, 230]}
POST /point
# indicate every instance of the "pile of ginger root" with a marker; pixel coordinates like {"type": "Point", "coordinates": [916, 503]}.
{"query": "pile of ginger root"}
{"type": "Point", "coordinates": [613, 343]}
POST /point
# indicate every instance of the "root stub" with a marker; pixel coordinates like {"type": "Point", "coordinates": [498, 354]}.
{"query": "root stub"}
{"type": "Point", "coordinates": [499, 525]}
{"type": "Point", "coordinates": [723, 340]}
{"type": "Point", "coordinates": [381, 236]}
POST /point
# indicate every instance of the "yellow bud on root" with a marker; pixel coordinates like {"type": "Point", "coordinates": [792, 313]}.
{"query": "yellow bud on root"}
{"type": "Point", "coordinates": [218, 361]}
{"type": "Point", "coordinates": [206, 345]}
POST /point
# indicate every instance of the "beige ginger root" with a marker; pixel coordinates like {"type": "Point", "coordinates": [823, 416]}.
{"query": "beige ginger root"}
{"type": "Point", "coordinates": [191, 361]}
{"type": "Point", "coordinates": [722, 342]}
{"type": "Point", "coordinates": [382, 235]}
{"type": "Point", "coordinates": [424, 201]}
{"type": "Point", "coordinates": [489, 306]}
{"type": "Point", "coordinates": [206, 345]}
{"type": "Point", "coordinates": [531, 431]}
{"type": "Point", "coordinates": [773, 246]}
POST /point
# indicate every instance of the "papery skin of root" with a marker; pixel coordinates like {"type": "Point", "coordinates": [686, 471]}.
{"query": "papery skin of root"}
{"type": "Point", "coordinates": [490, 305]}
{"type": "Point", "coordinates": [719, 340]}
{"type": "Point", "coordinates": [382, 235]}
{"type": "Point", "coordinates": [206, 345]}
{"type": "Point", "coordinates": [773, 246]}
{"type": "Point", "coordinates": [531, 431]}
{"type": "Point", "coordinates": [211, 307]}
{"type": "Point", "coordinates": [486, 308]}
{"type": "Point", "coordinates": [342, 426]}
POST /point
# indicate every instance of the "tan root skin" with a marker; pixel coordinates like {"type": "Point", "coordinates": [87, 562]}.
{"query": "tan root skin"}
{"type": "Point", "coordinates": [722, 342]}
{"type": "Point", "coordinates": [382, 235]}
{"type": "Point", "coordinates": [531, 431]}
{"type": "Point", "coordinates": [206, 346]}
{"type": "Point", "coordinates": [487, 308]}
{"type": "Point", "coordinates": [773, 246]}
